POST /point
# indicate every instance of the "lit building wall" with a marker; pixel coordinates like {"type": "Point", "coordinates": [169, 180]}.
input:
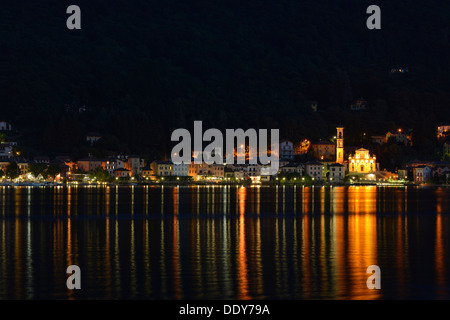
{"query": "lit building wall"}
{"type": "Point", "coordinates": [362, 162]}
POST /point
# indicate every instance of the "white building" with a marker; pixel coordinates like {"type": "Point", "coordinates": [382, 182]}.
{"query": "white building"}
{"type": "Point", "coordinates": [314, 170]}
{"type": "Point", "coordinates": [181, 169]}
{"type": "Point", "coordinates": [337, 172]}
{"type": "Point", "coordinates": [422, 173]}
{"type": "Point", "coordinates": [113, 164]}
{"type": "Point", "coordinates": [292, 168]}
{"type": "Point", "coordinates": [265, 172]}
{"type": "Point", "coordinates": [253, 170]}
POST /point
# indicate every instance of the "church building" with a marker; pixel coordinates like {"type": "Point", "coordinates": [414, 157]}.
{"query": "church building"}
{"type": "Point", "coordinates": [362, 162]}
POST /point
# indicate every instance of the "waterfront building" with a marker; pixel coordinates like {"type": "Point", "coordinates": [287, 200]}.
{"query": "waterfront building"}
{"type": "Point", "coordinates": [337, 172]}
{"type": "Point", "coordinates": [112, 164]}
{"type": "Point", "coordinates": [422, 173]}
{"type": "Point", "coordinates": [162, 168]}
{"type": "Point", "coordinates": [292, 168]}
{"type": "Point", "coordinates": [181, 169]}
{"type": "Point", "coordinates": [148, 173]}
{"type": "Point", "coordinates": [314, 169]}
{"type": "Point", "coordinates": [122, 173]}
{"type": "Point", "coordinates": [134, 164]}
{"type": "Point", "coordinates": [89, 164]}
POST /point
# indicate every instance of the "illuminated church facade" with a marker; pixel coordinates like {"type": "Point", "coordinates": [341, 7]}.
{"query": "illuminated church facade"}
{"type": "Point", "coordinates": [361, 162]}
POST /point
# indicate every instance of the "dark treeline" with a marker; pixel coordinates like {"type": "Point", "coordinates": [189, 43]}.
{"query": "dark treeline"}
{"type": "Point", "coordinates": [143, 68]}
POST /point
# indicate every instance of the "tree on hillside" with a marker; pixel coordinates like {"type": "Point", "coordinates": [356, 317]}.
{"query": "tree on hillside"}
{"type": "Point", "coordinates": [12, 170]}
{"type": "Point", "coordinates": [53, 170]}
{"type": "Point", "coordinates": [100, 174]}
{"type": "Point", "coordinates": [37, 168]}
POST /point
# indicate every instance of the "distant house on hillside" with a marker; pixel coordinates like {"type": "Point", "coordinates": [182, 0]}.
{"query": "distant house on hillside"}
{"type": "Point", "coordinates": [93, 137]}
{"type": "Point", "coordinates": [378, 139]}
{"type": "Point", "coordinates": [5, 150]}
{"type": "Point", "coordinates": [399, 70]}
{"type": "Point", "coordinates": [400, 136]}
{"type": "Point", "coordinates": [5, 126]}
{"type": "Point", "coordinates": [324, 150]}
{"type": "Point", "coordinates": [41, 159]}
{"type": "Point", "coordinates": [74, 108]}
{"type": "Point", "coordinates": [442, 131]}
{"type": "Point", "coordinates": [359, 104]}
{"type": "Point", "coordinates": [286, 150]}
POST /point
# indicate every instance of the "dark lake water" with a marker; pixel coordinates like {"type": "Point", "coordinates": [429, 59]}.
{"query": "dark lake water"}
{"type": "Point", "coordinates": [224, 242]}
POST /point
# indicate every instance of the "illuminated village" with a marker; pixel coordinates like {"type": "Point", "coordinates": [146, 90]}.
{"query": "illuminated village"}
{"type": "Point", "coordinates": [322, 162]}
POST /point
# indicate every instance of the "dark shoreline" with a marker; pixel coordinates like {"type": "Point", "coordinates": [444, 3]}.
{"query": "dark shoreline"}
{"type": "Point", "coordinates": [181, 183]}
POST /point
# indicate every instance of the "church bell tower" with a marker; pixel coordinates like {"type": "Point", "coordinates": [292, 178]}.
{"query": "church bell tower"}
{"type": "Point", "coordinates": [340, 145]}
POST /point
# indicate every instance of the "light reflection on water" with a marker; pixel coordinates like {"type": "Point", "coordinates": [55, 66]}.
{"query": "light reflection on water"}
{"type": "Point", "coordinates": [224, 242]}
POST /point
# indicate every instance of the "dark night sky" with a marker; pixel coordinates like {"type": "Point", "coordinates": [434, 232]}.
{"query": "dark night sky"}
{"type": "Point", "coordinates": [144, 68]}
